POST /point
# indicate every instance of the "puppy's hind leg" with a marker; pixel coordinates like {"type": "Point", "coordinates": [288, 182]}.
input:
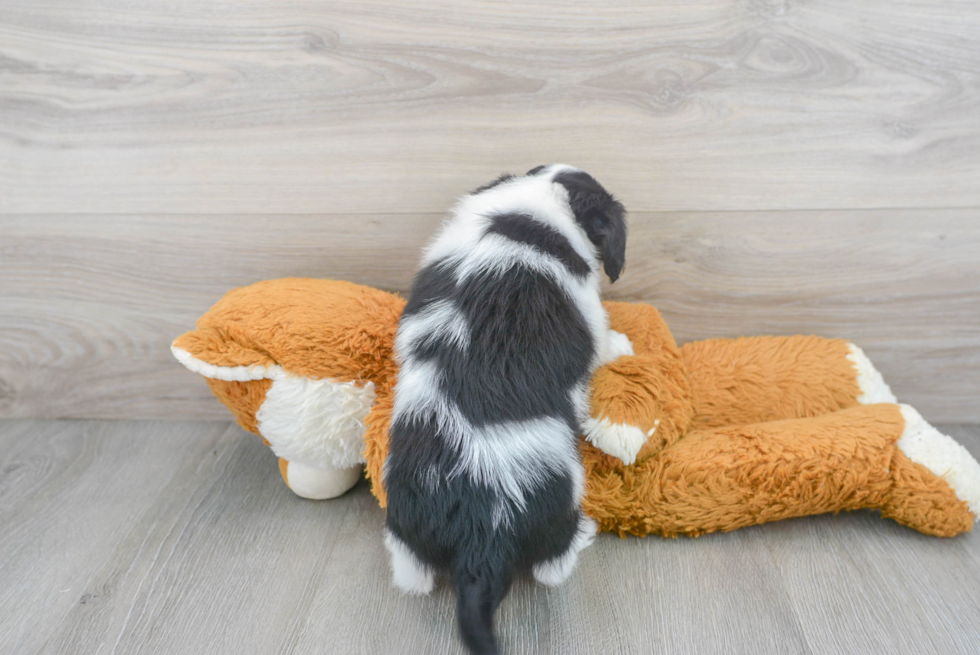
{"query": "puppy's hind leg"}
{"type": "Point", "coordinates": [408, 573]}
{"type": "Point", "coordinates": [554, 571]}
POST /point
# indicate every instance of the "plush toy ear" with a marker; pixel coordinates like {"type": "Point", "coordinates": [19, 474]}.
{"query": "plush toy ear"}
{"type": "Point", "coordinates": [601, 216]}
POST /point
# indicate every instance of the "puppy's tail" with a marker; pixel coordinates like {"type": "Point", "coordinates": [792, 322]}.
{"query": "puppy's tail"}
{"type": "Point", "coordinates": [479, 590]}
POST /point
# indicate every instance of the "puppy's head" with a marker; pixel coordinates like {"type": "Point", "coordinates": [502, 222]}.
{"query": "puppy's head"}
{"type": "Point", "coordinates": [595, 210]}
{"type": "Point", "coordinates": [598, 213]}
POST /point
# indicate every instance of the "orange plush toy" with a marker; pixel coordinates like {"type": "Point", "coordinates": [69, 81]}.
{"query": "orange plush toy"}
{"type": "Point", "coordinates": [714, 435]}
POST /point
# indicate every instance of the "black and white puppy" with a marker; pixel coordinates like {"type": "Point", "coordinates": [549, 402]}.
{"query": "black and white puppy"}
{"type": "Point", "coordinates": [497, 344]}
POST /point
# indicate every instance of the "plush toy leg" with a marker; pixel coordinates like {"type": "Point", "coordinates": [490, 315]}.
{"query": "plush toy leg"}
{"type": "Point", "coordinates": [315, 483]}
{"type": "Point", "coordinates": [928, 464]}
{"type": "Point", "coordinates": [640, 405]}
{"type": "Point", "coordinates": [759, 379]}
{"type": "Point", "coordinates": [727, 478]}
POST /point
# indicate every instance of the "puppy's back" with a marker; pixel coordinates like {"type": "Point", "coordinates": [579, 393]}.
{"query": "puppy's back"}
{"type": "Point", "coordinates": [496, 346]}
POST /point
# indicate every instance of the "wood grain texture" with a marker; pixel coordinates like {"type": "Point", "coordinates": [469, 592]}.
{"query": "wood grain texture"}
{"type": "Point", "coordinates": [72, 494]}
{"type": "Point", "coordinates": [90, 304]}
{"type": "Point", "coordinates": [903, 285]}
{"type": "Point", "coordinates": [149, 537]}
{"type": "Point", "coordinates": [313, 106]}
{"type": "Point", "coordinates": [892, 565]}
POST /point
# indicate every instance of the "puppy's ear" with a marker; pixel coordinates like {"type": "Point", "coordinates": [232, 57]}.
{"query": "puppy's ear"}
{"type": "Point", "coordinates": [601, 216]}
{"type": "Point", "coordinates": [610, 237]}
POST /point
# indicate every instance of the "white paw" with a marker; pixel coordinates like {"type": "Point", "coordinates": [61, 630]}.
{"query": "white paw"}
{"type": "Point", "coordinates": [617, 345]}
{"type": "Point", "coordinates": [616, 439]}
{"type": "Point", "coordinates": [320, 484]}
{"type": "Point", "coordinates": [942, 455]}
{"type": "Point", "coordinates": [407, 572]}
{"type": "Point", "coordinates": [553, 572]}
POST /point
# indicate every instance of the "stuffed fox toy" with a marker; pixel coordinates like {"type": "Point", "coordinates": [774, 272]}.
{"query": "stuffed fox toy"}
{"type": "Point", "coordinates": [714, 435]}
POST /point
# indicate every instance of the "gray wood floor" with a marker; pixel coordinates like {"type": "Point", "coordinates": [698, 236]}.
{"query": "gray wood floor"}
{"type": "Point", "coordinates": [179, 537]}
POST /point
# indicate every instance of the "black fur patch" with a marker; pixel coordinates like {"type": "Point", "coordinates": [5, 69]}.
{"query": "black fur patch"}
{"type": "Point", "coordinates": [601, 216]}
{"type": "Point", "coordinates": [451, 526]}
{"type": "Point", "coordinates": [528, 347]}
{"type": "Point", "coordinates": [451, 523]}
{"type": "Point", "coordinates": [536, 169]}
{"type": "Point", "coordinates": [524, 229]}
{"type": "Point", "coordinates": [529, 344]}
{"type": "Point", "coordinates": [434, 282]}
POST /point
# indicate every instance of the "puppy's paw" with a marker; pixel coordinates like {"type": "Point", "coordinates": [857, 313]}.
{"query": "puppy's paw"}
{"type": "Point", "coordinates": [616, 439]}
{"type": "Point", "coordinates": [555, 571]}
{"type": "Point", "coordinates": [617, 345]}
{"type": "Point", "coordinates": [408, 573]}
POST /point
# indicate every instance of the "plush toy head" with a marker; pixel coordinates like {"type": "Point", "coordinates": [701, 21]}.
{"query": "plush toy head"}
{"type": "Point", "coordinates": [711, 436]}
{"type": "Point", "coordinates": [298, 361]}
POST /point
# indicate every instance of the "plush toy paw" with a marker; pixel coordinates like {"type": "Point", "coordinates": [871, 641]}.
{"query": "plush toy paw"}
{"type": "Point", "coordinates": [942, 455]}
{"type": "Point", "coordinates": [616, 345]}
{"type": "Point", "coordinates": [316, 483]}
{"type": "Point", "coordinates": [616, 439]}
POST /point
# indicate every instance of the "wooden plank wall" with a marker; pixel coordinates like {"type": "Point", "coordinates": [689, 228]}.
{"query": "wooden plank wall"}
{"type": "Point", "coordinates": [789, 167]}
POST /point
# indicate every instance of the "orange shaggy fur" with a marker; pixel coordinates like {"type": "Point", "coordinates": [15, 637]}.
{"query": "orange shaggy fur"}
{"type": "Point", "coordinates": [744, 431]}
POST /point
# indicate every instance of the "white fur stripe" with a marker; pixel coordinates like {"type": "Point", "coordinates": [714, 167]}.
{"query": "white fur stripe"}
{"type": "Point", "coordinates": [441, 319]}
{"type": "Point", "coordinates": [227, 373]}
{"type": "Point", "coordinates": [511, 456]}
{"type": "Point", "coordinates": [514, 456]}
{"type": "Point", "coordinates": [943, 456]}
{"type": "Point", "coordinates": [872, 385]}
{"type": "Point", "coordinates": [417, 393]}
{"type": "Point", "coordinates": [615, 345]}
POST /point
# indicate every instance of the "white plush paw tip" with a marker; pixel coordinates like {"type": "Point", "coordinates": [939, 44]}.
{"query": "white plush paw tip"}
{"type": "Point", "coordinates": [616, 439]}
{"type": "Point", "coordinates": [942, 455]}
{"type": "Point", "coordinates": [870, 383]}
{"type": "Point", "coordinates": [617, 345]}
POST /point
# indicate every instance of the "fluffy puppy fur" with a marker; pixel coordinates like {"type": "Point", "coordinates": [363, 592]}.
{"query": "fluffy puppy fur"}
{"type": "Point", "coordinates": [497, 344]}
